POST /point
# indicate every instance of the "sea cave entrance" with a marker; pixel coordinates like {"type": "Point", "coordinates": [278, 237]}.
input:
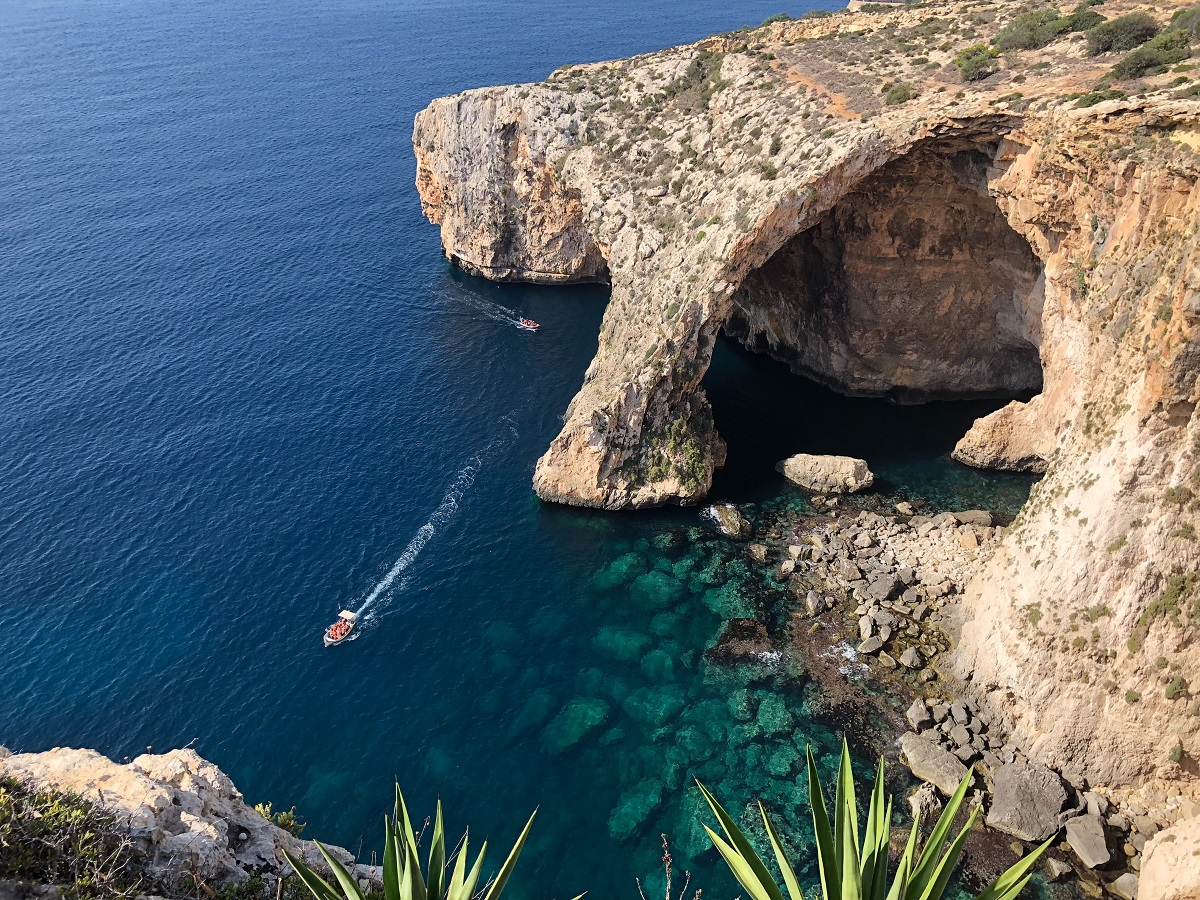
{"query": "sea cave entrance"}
{"type": "Point", "coordinates": [909, 310]}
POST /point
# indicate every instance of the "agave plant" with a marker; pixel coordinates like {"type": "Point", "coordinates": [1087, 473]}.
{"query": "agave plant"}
{"type": "Point", "coordinates": [402, 876]}
{"type": "Point", "coordinates": [856, 869]}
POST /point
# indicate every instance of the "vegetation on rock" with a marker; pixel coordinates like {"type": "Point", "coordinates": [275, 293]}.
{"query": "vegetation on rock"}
{"type": "Point", "coordinates": [403, 878]}
{"type": "Point", "coordinates": [52, 837]}
{"type": "Point", "coordinates": [854, 866]}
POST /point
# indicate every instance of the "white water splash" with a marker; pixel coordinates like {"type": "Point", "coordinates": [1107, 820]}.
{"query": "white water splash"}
{"type": "Point", "coordinates": [397, 578]}
{"type": "Point", "coordinates": [493, 311]}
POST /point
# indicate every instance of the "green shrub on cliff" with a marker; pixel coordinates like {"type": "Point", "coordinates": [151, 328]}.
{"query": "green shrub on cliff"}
{"type": "Point", "coordinates": [1122, 33]}
{"type": "Point", "coordinates": [1155, 56]}
{"type": "Point", "coordinates": [1188, 20]}
{"type": "Point", "coordinates": [976, 62]}
{"type": "Point", "coordinates": [1038, 28]}
{"type": "Point", "coordinates": [855, 867]}
{"type": "Point", "coordinates": [52, 837]}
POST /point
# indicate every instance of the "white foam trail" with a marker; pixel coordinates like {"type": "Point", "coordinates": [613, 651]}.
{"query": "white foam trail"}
{"type": "Point", "coordinates": [440, 517]}
{"type": "Point", "coordinates": [493, 311]}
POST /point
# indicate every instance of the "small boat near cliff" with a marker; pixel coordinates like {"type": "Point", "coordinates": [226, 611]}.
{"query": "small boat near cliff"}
{"type": "Point", "coordinates": [341, 629]}
{"type": "Point", "coordinates": [528, 325]}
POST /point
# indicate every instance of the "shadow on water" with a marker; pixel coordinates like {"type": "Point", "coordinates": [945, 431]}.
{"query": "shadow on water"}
{"type": "Point", "coordinates": [765, 413]}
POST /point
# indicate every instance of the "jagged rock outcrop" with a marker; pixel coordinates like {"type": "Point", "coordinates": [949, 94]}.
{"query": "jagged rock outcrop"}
{"type": "Point", "coordinates": [985, 238]}
{"type": "Point", "coordinates": [183, 813]}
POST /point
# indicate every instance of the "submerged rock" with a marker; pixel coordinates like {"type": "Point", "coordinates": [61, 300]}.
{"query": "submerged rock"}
{"type": "Point", "coordinates": [635, 806]}
{"type": "Point", "coordinates": [742, 640]}
{"type": "Point", "coordinates": [827, 474]}
{"type": "Point", "coordinates": [581, 716]}
{"type": "Point", "coordinates": [730, 521]}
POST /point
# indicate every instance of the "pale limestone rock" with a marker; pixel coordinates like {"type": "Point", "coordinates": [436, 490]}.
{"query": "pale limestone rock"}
{"type": "Point", "coordinates": [1010, 438]}
{"type": "Point", "coordinates": [1125, 887]}
{"type": "Point", "coordinates": [827, 474]}
{"type": "Point", "coordinates": [1171, 863]}
{"type": "Point", "coordinates": [931, 763]}
{"type": "Point", "coordinates": [179, 808]}
{"type": "Point", "coordinates": [1085, 834]}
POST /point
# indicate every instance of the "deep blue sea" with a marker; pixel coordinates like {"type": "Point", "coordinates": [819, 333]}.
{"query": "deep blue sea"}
{"type": "Point", "coordinates": [240, 390]}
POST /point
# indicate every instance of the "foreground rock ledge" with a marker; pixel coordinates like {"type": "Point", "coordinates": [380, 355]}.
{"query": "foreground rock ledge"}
{"type": "Point", "coordinates": [983, 239]}
{"type": "Point", "coordinates": [181, 811]}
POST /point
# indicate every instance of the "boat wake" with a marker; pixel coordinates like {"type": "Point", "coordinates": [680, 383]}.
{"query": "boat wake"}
{"type": "Point", "coordinates": [493, 311]}
{"type": "Point", "coordinates": [397, 578]}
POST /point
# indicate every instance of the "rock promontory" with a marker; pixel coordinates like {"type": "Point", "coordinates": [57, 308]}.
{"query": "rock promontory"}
{"type": "Point", "coordinates": [183, 814]}
{"type": "Point", "coordinates": [886, 203]}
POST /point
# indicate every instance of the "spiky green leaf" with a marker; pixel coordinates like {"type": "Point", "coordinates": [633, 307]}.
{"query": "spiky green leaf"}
{"type": "Point", "coordinates": [923, 871]}
{"type": "Point", "coordinates": [1008, 885]}
{"type": "Point", "coordinates": [785, 865]}
{"type": "Point", "coordinates": [317, 886]}
{"type": "Point", "coordinates": [437, 857]}
{"type": "Point", "coordinates": [741, 868]}
{"type": "Point", "coordinates": [936, 886]}
{"type": "Point", "coordinates": [743, 846]}
{"type": "Point", "coordinates": [497, 886]}
{"type": "Point", "coordinates": [349, 886]}
{"type": "Point", "coordinates": [830, 872]}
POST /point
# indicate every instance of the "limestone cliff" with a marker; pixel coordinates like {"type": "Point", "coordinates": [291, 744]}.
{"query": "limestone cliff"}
{"type": "Point", "coordinates": [831, 192]}
{"type": "Point", "coordinates": [183, 813]}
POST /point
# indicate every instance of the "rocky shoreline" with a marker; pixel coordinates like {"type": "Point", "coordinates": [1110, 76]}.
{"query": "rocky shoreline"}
{"type": "Point", "coordinates": [190, 826]}
{"type": "Point", "coordinates": [878, 591]}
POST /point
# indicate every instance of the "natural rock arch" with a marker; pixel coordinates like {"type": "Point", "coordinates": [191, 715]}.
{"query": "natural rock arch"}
{"type": "Point", "coordinates": [913, 286]}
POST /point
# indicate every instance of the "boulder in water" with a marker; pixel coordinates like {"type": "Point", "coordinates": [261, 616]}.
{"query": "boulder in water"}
{"type": "Point", "coordinates": [730, 521]}
{"type": "Point", "coordinates": [827, 474]}
{"type": "Point", "coordinates": [741, 640]}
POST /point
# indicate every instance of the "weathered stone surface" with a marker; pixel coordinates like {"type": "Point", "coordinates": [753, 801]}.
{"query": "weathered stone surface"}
{"type": "Point", "coordinates": [1085, 834]}
{"type": "Point", "coordinates": [827, 474]}
{"type": "Point", "coordinates": [1026, 801]}
{"type": "Point", "coordinates": [1171, 863]}
{"type": "Point", "coordinates": [935, 248]}
{"type": "Point", "coordinates": [1125, 887]}
{"type": "Point", "coordinates": [931, 763]}
{"type": "Point", "coordinates": [730, 521]}
{"type": "Point", "coordinates": [870, 645]}
{"type": "Point", "coordinates": [918, 715]}
{"type": "Point", "coordinates": [911, 659]}
{"type": "Point", "coordinates": [742, 640]}
{"type": "Point", "coordinates": [181, 810]}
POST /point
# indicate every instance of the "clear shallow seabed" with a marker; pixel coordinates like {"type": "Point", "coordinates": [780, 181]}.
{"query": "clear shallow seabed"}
{"type": "Point", "coordinates": [237, 378]}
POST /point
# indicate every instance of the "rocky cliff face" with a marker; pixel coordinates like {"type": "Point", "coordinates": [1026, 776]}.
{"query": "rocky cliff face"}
{"type": "Point", "coordinates": [182, 812]}
{"type": "Point", "coordinates": [983, 238]}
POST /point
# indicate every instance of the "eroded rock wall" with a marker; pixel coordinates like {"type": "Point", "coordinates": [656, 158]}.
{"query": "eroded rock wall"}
{"type": "Point", "coordinates": [713, 176]}
{"type": "Point", "coordinates": [913, 287]}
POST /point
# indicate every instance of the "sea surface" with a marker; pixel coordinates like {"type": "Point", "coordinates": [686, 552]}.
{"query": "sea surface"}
{"type": "Point", "coordinates": [241, 390]}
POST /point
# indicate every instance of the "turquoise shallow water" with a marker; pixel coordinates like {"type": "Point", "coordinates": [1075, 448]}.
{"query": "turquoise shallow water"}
{"type": "Point", "coordinates": [241, 390]}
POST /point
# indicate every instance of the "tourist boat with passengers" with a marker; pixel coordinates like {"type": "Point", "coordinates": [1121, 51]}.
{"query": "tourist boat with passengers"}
{"type": "Point", "coordinates": [528, 325]}
{"type": "Point", "coordinates": [341, 629]}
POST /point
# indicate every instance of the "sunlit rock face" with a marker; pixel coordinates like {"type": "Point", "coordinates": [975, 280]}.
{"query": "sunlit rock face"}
{"type": "Point", "coordinates": [983, 238]}
{"type": "Point", "coordinates": [913, 286]}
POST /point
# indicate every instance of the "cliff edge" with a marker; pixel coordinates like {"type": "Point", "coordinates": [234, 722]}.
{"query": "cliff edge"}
{"type": "Point", "coordinates": [893, 209]}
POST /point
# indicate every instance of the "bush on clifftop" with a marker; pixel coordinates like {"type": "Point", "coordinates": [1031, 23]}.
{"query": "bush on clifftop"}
{"type": "Point", "coordinates": [1165, 50]}
{"type": "Point", "coordinates": [1122, 33]}
{"type": "Point", "coordinates": [51, 837]}
{"type": "Point", "coordinates": [976, 62]}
